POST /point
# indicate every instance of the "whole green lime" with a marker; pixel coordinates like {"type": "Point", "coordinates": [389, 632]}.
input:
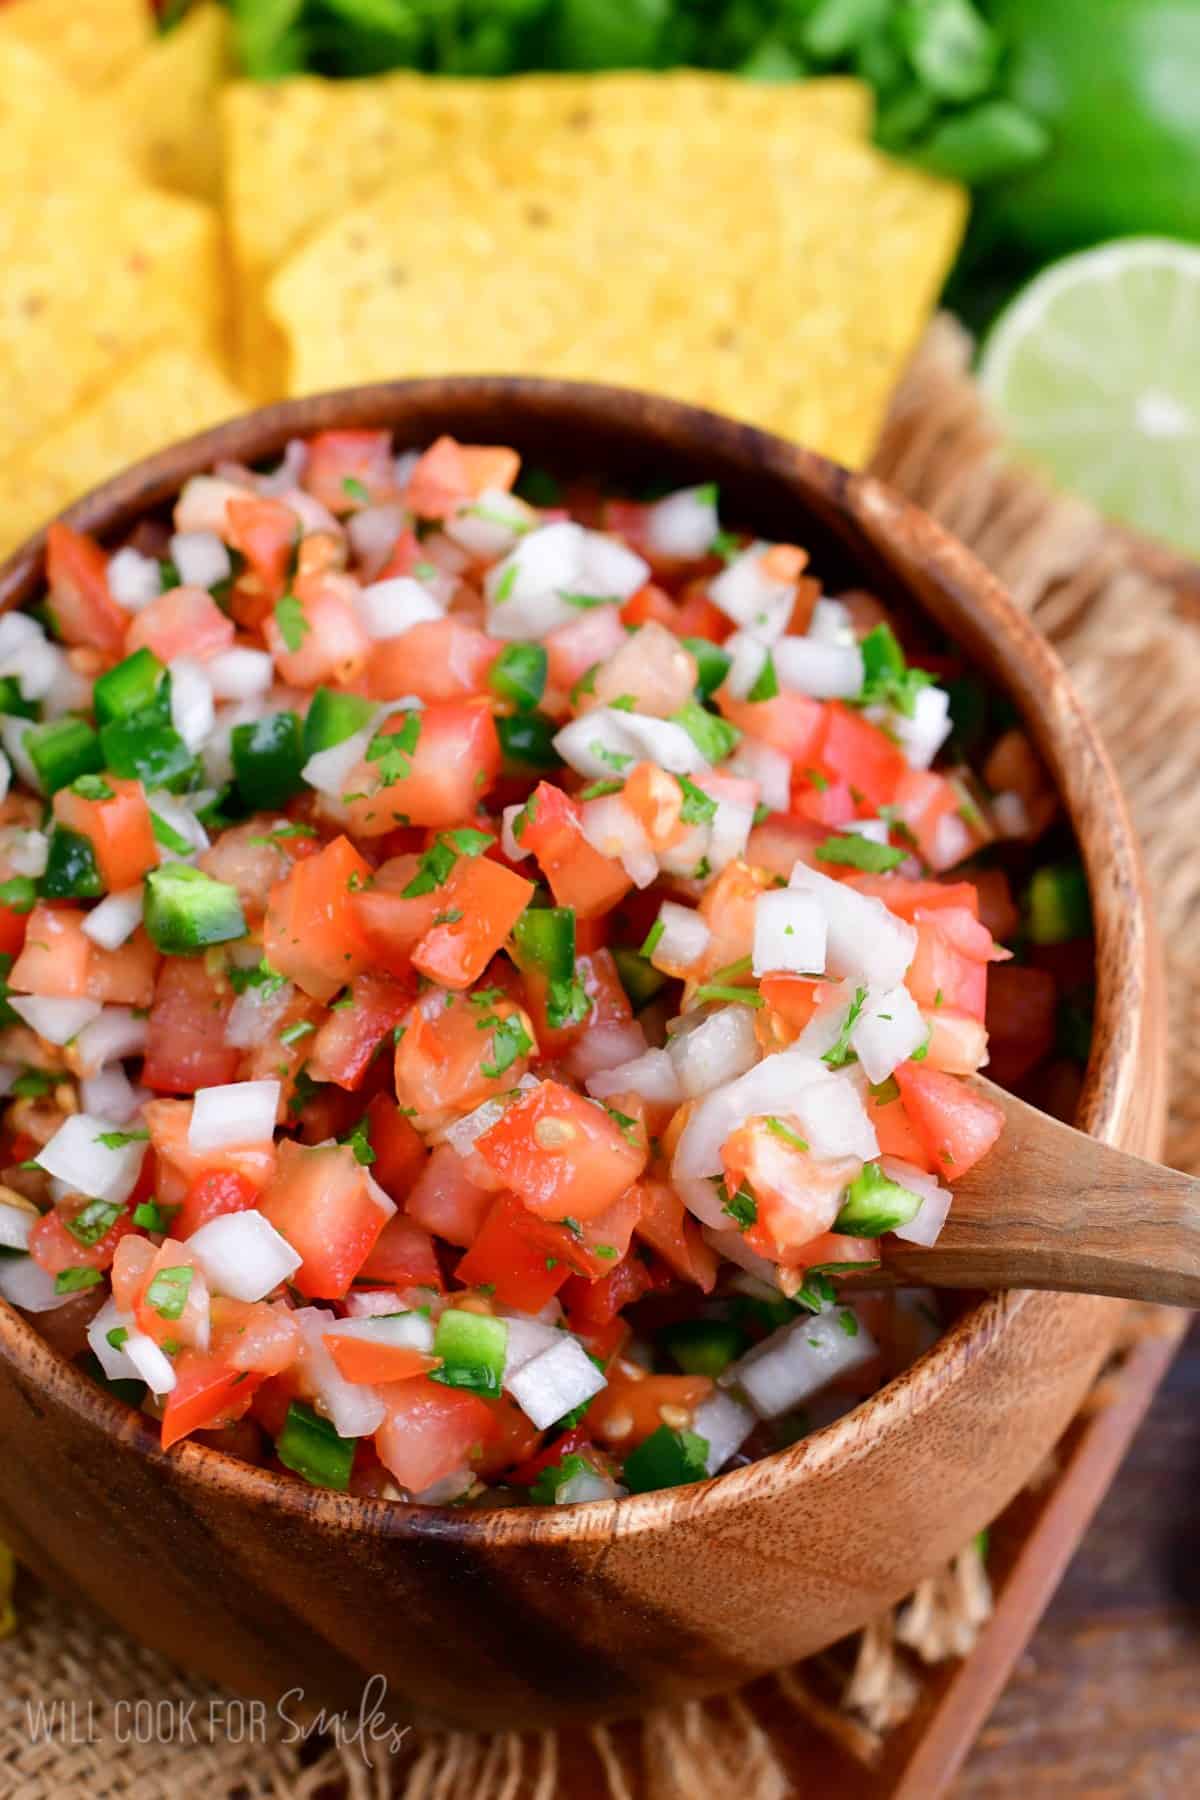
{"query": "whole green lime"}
{"type": "Point", "coordinates": [1118, 83]}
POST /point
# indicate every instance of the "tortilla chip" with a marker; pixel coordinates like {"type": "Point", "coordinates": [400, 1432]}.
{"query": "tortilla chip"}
{"type": "Point", "coordinates": [637, 260]}
{"type": "Point", "coordinates": [164, 107]}
{"type": "Point", "coordinates": [40, 111]}
{"type": "Point", "coordinates": [88, 41]}
{"type": "Point", "coordinates": [165, 395]}
{"type": "Point", "coordinates": [300, 153]}
{"type": "Point", "coordinates": [91, 273]}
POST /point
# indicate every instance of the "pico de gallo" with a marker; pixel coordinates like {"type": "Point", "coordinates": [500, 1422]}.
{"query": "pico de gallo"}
{"type": "Point", "coordinates": [482, 957]}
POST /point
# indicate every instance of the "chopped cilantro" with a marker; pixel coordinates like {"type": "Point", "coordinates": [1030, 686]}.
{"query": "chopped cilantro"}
{"type": "Point", "coordinates": [293, 1033]}
{"type": "Point", "coordinates": [766, 685]}
{"type": "Point", "coordinates": [887, 679]}
{"type": "Point", "coordinates": [292, 621]}
{"type": "Point", "coordinates": [713, 737]}
{"type": "Point", "coordinates": [613, 759]}
{"type": "Point", "coordinates": [392, 749]}
{"type": "Point", "coordinates": [510, 1040]}
{"type": "Point", "coordinates": [652, 938]}
{"type": "Point", "coordinates": [93, 1220]}
{"type": "Point", "coordinates": [839, 1052]}
{"type": "Point", "coordinates": [354, 489]}
{"type": "Point", "coordinates": [358, 1139]}
{"type": "Point", "coordinates": [858, 852]}
{"type": "Point", "coordinates": [168, 1292]}
{"type": "Point", "coordinates": [117, 1140]}
{"type": "Point", "coordinates": [698, 807]}
{"type": "Point", "coordinates": [778, 1129]}
{"type": "Point", "coordinates": [742, 1207]}
{"type": "Point", "coordinates": [151, 1215]}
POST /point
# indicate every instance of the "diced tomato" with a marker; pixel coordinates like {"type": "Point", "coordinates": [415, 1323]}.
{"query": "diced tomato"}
{"type": "Point", "coordinates": [124, 977]}
{"type": "Point", "coordinates": [608, 1003]}
{"type": "Point", "coordinates": [574, 648]}
{"type": "Point", "coordinates": [446, 1201]}
{"type": "Point", "coordinates": [403, 1255]}
{"type": "Point", "coordinates": [168, 1123]}
{"type": "Point", "coordinates": [957, 1124]}
{"type": "Point", "coordinates": [266, 533]}
{"type": "Point", "coordinates": [321, 1201]}
{"type": "Point", "coordinates": [514, 1439]}
{"type": "Point", "coordinates": [1022, 1004]}
{"type": "Point", "coordinates": [400, 1152]}
{"type": "Point", "coordinates": [312, 932]}
{"type": "Point", "coordinates": [212, 1196]}
{"type": "Point", "coordinates": [448, 1046]}
{"type": "Point", "coordinates": [564, 1156]}
{"type": "Point", "coordinates": [591, 1305]}
{"type": "Point", "coordinates": [119, 829]}
{"type": "Point", "coordinates": [342, 465]}
{"type": "Point", "coordinates": [83, 609]}
{"type": "Point", "coordinates": [481, 903]}
{"type": "Point", "coordinates": [393, 921]}
{"type": "Point", "coordinates": [835, 1247]}
{"type": "Point", "coordinates": [351, 1034]}
{"type": "Point", "coordinates": [360, 1360]}
{"type": "Point", "coordinates": [860, 754]}
{"type": "Point", "coordinates": [698, 617]}
{"type": "Point", "coordinates": [185, 621]}
{"type": "Point", "coordinates": [669, 1229]}
{"type": "Point", "coordinates": [439, 659]}
{"type": "Point", "coordinates": [798, 1195]}
{"type": "Point", "coordinates": [579, 876]}
{"type": "Point", "coordinates": [406, 553]}
{"type": "Point", "coordinates": [12, 930]}
{"type": "Point", "coordinates": [587, 1247]}
{"type": "Point", "coordinates": [173, 1305]}
{"type": "Point", "coordinates": [254, 1334]}
{"type": "Point", "coordinates": [896, 1134]}
{"type": "Point", "coordinates": [829, 803]}
{"type": "Point", "coordinates": [629, 1409]}
{"type": "Point", "coordinates": [430, 1431]}
{"type": "Point", "coordinates": [207, 1393]}
{"type": "Point", "coordinates": [792, 999]}
{"type": "Point", "coordinates": [503, 1257]}
{"type": "Point", "coordinates": [568, 1443]}
{"type": "Point", "coordinates": [651, 602]}
{"type": "Point", "coordinates": [54, 1247]}
{"type": "Point", "coordinates": [903, 896]}
{"type": "Point", "coordinates": [790, 722]}
{"type": "Point", "coordinates": [451, 760]}
{"type": "Point", "coordinates": [928, 803]}
{"type": "Point", "coordinates": [320, 639]}
{"type": "Point", "coordinates": [449, 474]}
{"type": "Point", "coordinates": [56, 954]}
{"type": "Point", "coordinates": [728, 908]}
{"type": "Point", "coordinates": [950, 967]}
{"type": "Point", "coordinates": [185, 1043]}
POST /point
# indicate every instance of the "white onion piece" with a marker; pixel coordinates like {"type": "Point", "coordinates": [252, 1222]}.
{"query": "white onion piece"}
{"type": "Point", "coordinates": [798, 1360]}
{"type": "Point", "coordinates": [178, 817]}
{"type": "Point", "coordinates": [373, 532]}
{"type": "Point", "coordinates": [399, 1330]}
{"type": "Point", "coordinates": [731, 1246]}
{"type": "Point", "coordinates": [373, 1303]}
{"type": "Point", "coordinates": [238, 1112]}
{"type": "Point", "coordinates": [287, 474]}
{"type": "Point", "coordinates": [115, 1363]}
{"type": "Point", "coordinates": [684, 938]}
{"type": "Point", "coordinates": [925, 1226]}
{"type": "Point", "coordinates": [597, 744]}
{"type": "Point", "coordinates": [718, 1050]}
{"type": "Point", "coordinates": [824, 671]}
{"type": "Point", "coordinates": [729, 830]}
{"type": "Point", "coordinates": [149, 1363]}
{"type": "Point", "coordinates": [775, 1085]}
{"type": "Point", "coordinates": [749, 656]}
{"type": "Point", "coordinates": [111, 1095]}
{"type": "Point", "coordinates": [749, 597]}
{"type": "Point", "coordinates": [26, 1284]}
{"type": "Point", "coordinates": [312, 514]}
{"type": "Point", "coordinates": [605, 1046]}
{"type": "Point", "coordinates": [329, 770]}
{"type": "Point", "coordinates": [217, 753]}
{"type": "Point", "coordinates": [115, 919]}
{"type": "Point", "coordinates": [703, 1201]}
{"type": "Point", "coordinates": [509, 842]}
{"type": "Point", "coordinates": [240, 673]}
{"type": "Point", "coordinates": [951, 842]}
{"type": "Point", "coordinates": [353, 1408]}
{"type": "Point", "coordinates": [12, 736]}
{"type": "Point", "coordinates": [770, 768]}
{"type": "Point", "coordinates": [242, 1255]}
{"type": "Point", "coordinates": [134, 580]}
{"type": "Point", "coordinates": [663, 742]}
{"type": "Point", "coordinates": [555, 1381]}
{"type": "Point", "coordinates": [201, 558]}
{"type": "Point", "coordinates": [118, 1032]}
{"type": "Point", "coordinates": [922, 735]}
{"type": "Point", "coordinates": [5, 776]}
{"type": "Point", "coordinates": [192, 710]}
{"type": "Point", "coordinates": [490, 524]}
{"type": "Point", "coordinates": [388, 609]}
{"type": "Point", "coordinates": [255, 1014]}
{"type": "Point", "coordinates": [462, 1134]}
{"type": "Point", "coordinates": [887, 1031]}
{"type": "Point", "coordinates": [652, 1076]}
{"type": "Point", "coordinates": [77, 1156]}
{"type": "Point", "coordinates": [834, 1121]}
{"type": "Point", "coordinates": [524, 590]}
{"type": "Point", "coordinates": [68, 691]}
{"type": "Point", "coordinates": [15, 1226]}
{"type": "Point", "coordinates": [612, 829]}
{"type": "Point", "coordinates": [585, 1485]}
{"type": "Point", "coordinates": [724, 1424]}
{"type": "Point", "coordinates": [202, 502]}
{"type": "Point", "coordinates": [56, 1020]}
{"type": "Point", "coordinates": [865, 941]}
{"type": "Point", "coordinates": [789, 933]}
{"type": "Point", "coordinates": [609, 568]}
{"type": "Point", "coordinates": [526, 1339]}
{"type": "Point", "coordinates": [27, 852]}
{"type": "Point", "coordinates": [831, 623]}
{"type": "Point", "coordinates": [683, 524]}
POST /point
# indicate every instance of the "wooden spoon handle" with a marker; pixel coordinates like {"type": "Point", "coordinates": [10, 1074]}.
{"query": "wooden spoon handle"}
{"type": "Point", "coordinates": [1050, 1207]}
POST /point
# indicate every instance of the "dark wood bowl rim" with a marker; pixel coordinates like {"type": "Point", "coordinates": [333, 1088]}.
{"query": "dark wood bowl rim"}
{"type": "Point", "coordinates": [1060, 715]}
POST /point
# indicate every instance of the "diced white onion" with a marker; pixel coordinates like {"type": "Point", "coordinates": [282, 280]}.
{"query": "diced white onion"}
{"type": "Point", "coordinates": [489, 525]}
{"type": "Point", "coordinates": [240, 673]}
{"type": "Point", "coordinates": [524, 590]}
{"type": "Point", "coordinates": [771, 769]}
{"type": "Point", "coordinates": [27, 654]}
{"type": "Point", "coordinates": [684, 523]}
{"type": "Point", "coordinates": [238, 1112]}
{"type": "Point", "coordinates": [509, 842]}
{"type": "Point", "coordinates": [12, 736]}
{"type": "Point", "coordinates": [192, 710]}
{"type": "Point", "coordinates": [526, 1339]}
{"type": "Point", "coordinates": [115, 1364]}
{"type": "Point", "coordinates": [5, 776]}
{"type": "Point", "coordinates": [217, 753]}
{"type": "Point", "coordinates": [202, 502]}
{"type": "Point", "coordinates": [663, 742]}
{"type": "Point", "coordinates": [26, 1284]}
{"type": "Point", "coordinates": [731, 1246]}
{"type": "Point", "coordinates": [798, 1360]}
{"type": "Point", "coordinates": [597, 744]}
{"type": "Point", "coordinates": [134, 580]}
{"type": "Point", "coordinates": [69, 691]}
{"type": "Point", "coordinates": [831, 623]}
{"type": "Point", "coordinates": [834, 1121]}
{"type": "Point", "coordinates": [612, 829]}
{"type": "Point", "coordinates": [312, 514]}
{"type": "Point", "coordinates": [353, 1408]}
{"type": "Point", "coordinates": [27, 852]}
{"type": "Point", "coordinates": [887, 1031]}
{"type": "Point", "coordinates": [684, 938]}
{"type": "Point", "coordinates": [462, 1134]}
{"type": "Point", "coordinates": [118, 1032]}
{"type": "Point", "coordinates": [77, 1156]}
{"type": "Point", "coordinates": [15, 1226]}
{"type": "Point", "coordinates": [775, 1085]}
{"type": "Point", "coordinates": [390, 608]}
{"type": "Point", "coordinates": [922, 735]}
{"type": "Point", "coordinates": [555, 1381]}
{"type": "Point", "coordinates": [328, 770]}
{"type": "Point", "coordinates": [255, 1014]}
{"type": "Point", "coordinates": [719, 1049]}
{"type": "Point", "coordinates": [652, 1075]}
{"type": "Point", "coordinates": [57, 1020]}
{"type": "Point", "coordinates": [724, 1424]}
{"type": "Point", "coordinates": [447, 1489]}
{"type": "Point", "coordinates": [242, 1255]}
{"type": "Point", "coordinates": [951, 842]}
{"type": "Point", "coordinates": [398, 1330]}
{"type": "Point", "coordinates": [874, 830]}
{"type": "Point", "coordinates": [372, 1303]}
{"type": "Point", "coordinates": [149, 1363]}
{"type": "Point", "coordinates": [789, 933]}
{"type": "Point", "coordinates": [703, 1200]}
{"type": "Point", "coordinates": [178, 817]}
{"type": "Point", "coordinates": [115, 919]}
{"type": "Point", "coordinates": [749, 656]}
{"type": "Point", "coordinates": [824, 671]}
{"type": "Point", "coordinates": [610, 568]}
{"type": "Point", "coordinates": [749, 597]}
{"type": "Point", "coordinates": [605, 1046]}
{"type": "Point", "coordinates": [287, 474]}
{"type": "Point", "coordinates": [865, 941]}
{"type": "Point", "coordinates": [925, 1226]}
{"type": "Point", "coordinates": [373, 533]}
{"type": "Point", "coordinates": [587, 1484]}
{"type": "Point", "coordinates": [201, 558]}
{"type": "Point", "coordinates": [111, 1095]}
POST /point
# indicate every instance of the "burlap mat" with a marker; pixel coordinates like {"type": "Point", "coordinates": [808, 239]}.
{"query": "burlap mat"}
{"type": "Point", "coordinates": [1118, 619]}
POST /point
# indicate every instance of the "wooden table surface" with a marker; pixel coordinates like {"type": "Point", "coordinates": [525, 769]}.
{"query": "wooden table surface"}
{"type": "Point", "coordinates": [1105, 1703]}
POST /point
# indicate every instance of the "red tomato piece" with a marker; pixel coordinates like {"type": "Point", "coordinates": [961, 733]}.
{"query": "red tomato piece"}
{"type": "Point", "coordinates": [651, 602]}
{"type": "Point", "coordinates": [927, 802]}
{"type": "Point", "coordinates": [312, 932]}
{"type": "Point", "coordinates": [173, 1304]}
{"type": "Point", "coordinates": [359, 1360]}
{"type": "Point", "coordinates": [12, 930]}
{"type": "Point", "coordinates": [341, 464]}
{"type": "Point", "coordinates": [321, 1202]}
{"type": "Point", "coordinates": [587, 1247]}
{"type": "Point", "coordinates": [950, 967]}
{"type": "Point", "coordinates": [481, 902]}
{"type": "Point", "coordinates": [608, 1003]}
{"type": "Point", "coordinates": [449, 474]}
{"type": "Point", "coordinates": [119, 829]}
{"type": "Point", "coordinates": [430, 1431]}
{"type": "Point", "coordinates": [185, 621]}
{"type": "Point", "coordinates": [400, 1152]}
{"type": "Point", "coordinates": [957, 1124]}
{"type": "Point", "coordinates": [403, 1256]}
{"type": "Point", "coordinates": [579, 875]}
{"type": "Point", "coordinates": [903, 896]}
{"type": "Point", "coordinates": [896, 1134]}
{"type": "Point", "coordinates": [320, 638]}
{"type": "Point", "coordinates": [629, 1408]}
{"type": "Point", "coordinates": [590, 1305]}
{"type": "Point", "coordinates": [669, 1229]}
{"type": "Point", "coordinates": [563, 1155]}
{"type": "Point", "coordinates": [254, 1334]}
{"type": "Point", "coordinates": [439, 659]}
{"type": "Point", "coordinates": [826, 802]}
{"type": "Point", "coordinates": [447, 761]}
{"type": "Point", "coordinates": [266, 533]}
{"type": "Point", "coordinates": [569, 1443]}
{"type": "Point", "coordinates": [392, 920]}
{"type": "Point", "coordinates": [448, 1047]}
{"type": "Point", "coordinates": [80, 602]}
{"type": "Point", "coordinates": [54, 1247]}
{"type": "Point", "coordinates": [207, 1394]}
{"type": "Point", "coordinates": [864, 757]}
{"type": "Point", "coordinates": [790, 722]}
{"type": "Point", "coordinates": [124, 977]}
{"type": "Point", "coordinates": [212, 1196]}
{"type": "Point", "coordinates": [447, 1202]}
{"type": "Point", "coordinates": [185, 1043]}
{"type": "Point", "coordinates": [345, 1044]}
{"type": "Point", "coordinates": [503, 1256]}
{"type": "Point", "coordinates": [56, 955]}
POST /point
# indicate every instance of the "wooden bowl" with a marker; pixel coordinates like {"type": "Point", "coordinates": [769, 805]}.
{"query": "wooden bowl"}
{"type": "Point", "coordinates": [523, 1617]}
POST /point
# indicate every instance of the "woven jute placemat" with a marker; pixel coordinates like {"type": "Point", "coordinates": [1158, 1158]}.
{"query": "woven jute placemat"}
{"type": "Point", "coordinates": [85, 1712]}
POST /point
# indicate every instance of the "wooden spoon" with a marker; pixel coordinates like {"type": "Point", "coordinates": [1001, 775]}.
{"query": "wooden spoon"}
{"type": "Point", "coordinates": [1050, 1207]}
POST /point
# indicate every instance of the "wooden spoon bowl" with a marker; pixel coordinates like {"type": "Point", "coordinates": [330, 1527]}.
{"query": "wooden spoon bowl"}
{"type": "Point", "coordinates": [518, 1617]}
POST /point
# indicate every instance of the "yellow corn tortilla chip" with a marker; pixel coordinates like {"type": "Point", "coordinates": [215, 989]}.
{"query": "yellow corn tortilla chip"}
{"type": "Point", "coordinates": [163, 108]}
{"type": "Point", "coordinates": [40, 112]}
{"type": "Point", "coordinates": [165, 395]}
{"type": "Point", "coordinates": [639, 261]}
{"type": "Point", "coordinates": [88, 41]}
{"type": "Point", "coordinates": [301, 152]}
{"type": "Point", "coordinates": [92, 272]}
